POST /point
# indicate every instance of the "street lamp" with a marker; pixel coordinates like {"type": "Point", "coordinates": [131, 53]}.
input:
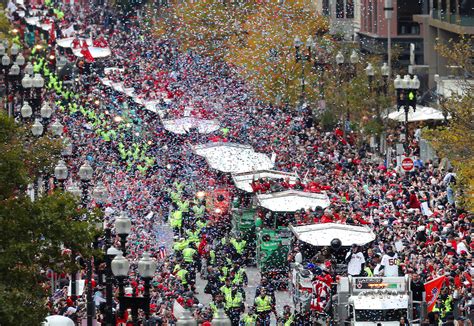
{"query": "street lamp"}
{"type": "Point", "coordinates": [303, 56]}
{"type": "Point", "coordinates": [37, 128]}
{"type": "Point", "coordinates": [29, 70]}
{"type": "Point", "coordinates": [61, 172]}
{"type": "Point", "coordinates": [74, 190]}
{"type": "Point", "coordinates": [15, 49]}
{"type": "Point", "coordinates": [406, 89]}
{"type": "Point", "coordinates": [99, 192]}
{"type": "Point", "coordinates": [123, 226]}
{"type": "Point", "coordinates": [20, 59]}
{"type": "Point", "coordinates": [57, 128]}
{"type": "Point", "coordinates": [67, 148]}
{"type": "Point", "coordinates": [26, 111]}
{"type": "Point", "coordinates": [86, 171]}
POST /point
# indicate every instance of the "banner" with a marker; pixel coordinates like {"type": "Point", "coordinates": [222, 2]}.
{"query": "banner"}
{"type": "Point", "coordinates": [433, 288]}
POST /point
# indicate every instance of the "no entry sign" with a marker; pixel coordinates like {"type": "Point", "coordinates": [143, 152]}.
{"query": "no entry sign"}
{"type": "Point", "coordinates": [407, 164]}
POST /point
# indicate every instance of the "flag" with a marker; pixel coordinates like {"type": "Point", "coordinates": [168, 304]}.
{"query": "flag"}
{"type": "Point", "coordinates": [432, 289]}
{"type": "Point", "coordinates": [162, 252]}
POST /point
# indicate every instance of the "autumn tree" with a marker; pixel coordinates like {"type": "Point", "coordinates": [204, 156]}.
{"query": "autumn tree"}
{"type": "Point", "coordinates": [455, 140]}
{"type": "Point", "coordinates": [265, 56]}
{"type": "Point", "coordinates": [34, 233]}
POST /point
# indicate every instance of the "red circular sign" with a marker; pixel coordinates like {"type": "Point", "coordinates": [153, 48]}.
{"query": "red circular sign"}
{"type": "Point", "coordinates": [407, 164]}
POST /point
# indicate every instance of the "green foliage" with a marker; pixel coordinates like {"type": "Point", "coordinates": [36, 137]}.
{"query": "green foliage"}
{"type": "Point", "coordinates": [33, 233]}
{"type": "Point", "coordinates": [328, 120]}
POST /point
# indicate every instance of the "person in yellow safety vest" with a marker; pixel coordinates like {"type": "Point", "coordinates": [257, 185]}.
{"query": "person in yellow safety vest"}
{"type": "Point", "coordinates": [212, 257]}
{"type": "Point", "coordinates": [176, 221]}
{"type": "Point", "coordinates": [193, 235]}
{"type": "Point", "coordinates": [250, 318]}
{"type": "Point", "coordinates": [183, 205]}
{"type": "Point", "coordinates": [189, 255]}
{"type": "Point", "coordinates": [264, 306]}
{"type": "Point", "coordinates": [183, 276]}
{"type": "Point", "coordinates": [218, 303]}
{"type": "Point", "coordinates": [239, 245]}
{"type": "Point", "coordinates": [224, 273]}
{"type": "Point", "coordinates": [179, 246]}
{"type": "Point", "coordinates": [226, 288]}
{"type": "Point", "coordinates": [199, 210]}
{"type": "Point", "coordinates": [234, 305]}
{"type": "Point", "coordinates": [239, 276]}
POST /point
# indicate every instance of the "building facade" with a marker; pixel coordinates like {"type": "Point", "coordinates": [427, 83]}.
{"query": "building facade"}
{"type": "Point", "coordinates": [373, 34]}
{"type": "Point", "coordinates": [445, 20]}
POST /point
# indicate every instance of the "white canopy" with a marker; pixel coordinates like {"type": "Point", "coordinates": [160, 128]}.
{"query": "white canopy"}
{"type": "Point", "coordinates": [245, 162]}
{"type": "Point", "coordinates": [221, 149]}
{"type": "Point", "coordinates": [95, 52]}
{"type": "Point", "coordinates": [67, 42]}
{"type": "Point", "coordinates": [321, 234]}
{"type": "Point", "coordinates": [32, 20]}
{"type": "Point", "coordinates": [244, 180]}
{"type": "Point", "coordinates": [183, 125]}
{"type": "Point", "coordinates": [390, 302]}
{"type": "Point", "coordinates": [58, 320]}
{"type": "Point", "coordinates": [422, 113]}
{"type": "Point", "coordinates": [292, 200]}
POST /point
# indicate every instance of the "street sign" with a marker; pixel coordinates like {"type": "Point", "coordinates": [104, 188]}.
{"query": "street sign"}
{"type": "Point", "coordinates": [408, 164]}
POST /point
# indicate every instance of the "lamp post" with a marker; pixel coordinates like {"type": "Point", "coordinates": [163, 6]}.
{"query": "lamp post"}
{"type": "Point", "coordinates": [123, 226]}
{"type": "Point", "coordinates": [45, 112]}
{"type": "Point", "coordinates": [12, 77]}
{"type": "Point", "coordinates": [146, 268]}
{"type": "Point", "coordinates": [187, 319]}
{"type": "Point", "coordinates": [61, 173]}
{"type": "Point", "coordinates": [38, 84]}
{"type": "Point", "coordinates": [111, 252]}
{"type": "Point", "coordinates": [347, 72]}
{"type": "Point", "coordinates": [406, 89]}
{"type": "Point", "coordinates": [303, 56]}
{"type": "Point", "coordinates": [85, 174]}
{"type": "Point", "coordinates": [221, 319]}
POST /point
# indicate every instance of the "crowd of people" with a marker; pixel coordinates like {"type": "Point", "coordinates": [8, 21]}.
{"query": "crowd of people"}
{"type": "Point", "coordinates": [153, 176]}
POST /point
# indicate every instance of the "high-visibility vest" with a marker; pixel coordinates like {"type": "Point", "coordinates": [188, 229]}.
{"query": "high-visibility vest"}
{"type": "Point", "coordinates": [213, 307]}
{"type": "Point", "coordinates": [239, 245]}
{"type": "Point", "coordinates": [238, 277]}
{"type": "Point", "coordinates": [176, 219]}
{"type": "Point", "coordinates": [249, 320]}
{"type": "Point", "coordinates": [182, 276]}
{"type": "Point", "coordinates": [368, 271]}
{"type": "Point", "coordinates": [193, 236]}
{"type": "Point", "coordinates": [289, 322]}
{"type": "Point", "coordinates": [212, 255]}
{"type": "Point", "coordinates": [180, 245]}
{"type": "Point", "coordinates": [176, 268]}
{"type": "Point", "coordinates": [225, 290]}
{"type": "Point", "coordinates": [233, 302]}
{"type": "Point", "coordinates": [199, 210]}
{"type": "Point", "coordinates": [183, 205]}
{"type": "Point", "coordinates": [225, 272]}
{"type": "Point", "coordinates": [263, 304]}
{"type": "Point", "coordinates": [188, 254]}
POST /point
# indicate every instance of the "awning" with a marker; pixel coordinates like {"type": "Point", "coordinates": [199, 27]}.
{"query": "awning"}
{"type": "Point", "coordinates": [58, 320]}
{"type": "Point", "coordinates": [244, 180]}
{"type": "Point", "coordinates": [183, 125]}
{"type": "Point", "coordinates": [322, 234]}
{"type": "Point", "coordinates": [292, 200]}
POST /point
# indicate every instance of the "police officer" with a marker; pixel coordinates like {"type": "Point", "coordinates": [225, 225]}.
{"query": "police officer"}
{"type": "Point", "coordinates": [234, 304]}
{"type": "Point", "coordinates": [250, 318]}
{"type": "Point", "coordinates": [264, 306]}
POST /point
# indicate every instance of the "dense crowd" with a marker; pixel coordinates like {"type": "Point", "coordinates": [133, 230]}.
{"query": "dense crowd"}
{"type": "Point", "coordinates": [153, 176]}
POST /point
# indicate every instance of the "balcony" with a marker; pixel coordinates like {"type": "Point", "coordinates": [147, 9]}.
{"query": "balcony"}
{"type": "Point", "coordinates": [461, 20]}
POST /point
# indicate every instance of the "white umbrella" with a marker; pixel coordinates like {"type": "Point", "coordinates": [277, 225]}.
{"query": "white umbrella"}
{"type": "Point", "coordinates": [292, 200]}
{"type": "Point", "coordinates": [244, 180]}
{"type": "Point", "coordinates": [322, 234]}
{"type": "Point", "coordinates": [183, 125]}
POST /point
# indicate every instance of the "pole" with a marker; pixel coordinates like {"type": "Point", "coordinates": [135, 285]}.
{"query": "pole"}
{"type": "Point", "coordinates": [302, 82]}
{"type": "Point", "coordinates": [90, 301]}
{"type": "Point", "coordinates": [146, 295]}
{"type": "Point", "coordinates": [123, 242]}
{"type": "Point", "coordinates": [407, 108]}
{"type": "Point", "coordinates": [109, 318]}
{"type": "Point", "coordinates": [388, 16]}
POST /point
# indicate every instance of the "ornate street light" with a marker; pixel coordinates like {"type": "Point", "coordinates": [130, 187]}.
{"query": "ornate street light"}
{"type": "Point", "coordinates": [60, 171]}
{"type": "Point", "coordinates": [354, 58]}
{"type": "Point", "coordinates": [46, 111]}
{"type": "Point", "coordinates": [27, 82]}
{"type": "Point", "coordinates": [2, 49]}
{"type": "Point", "coordinates": [67, 148]}
{"type": "Point", "coordinates": [85, 171]}
{"type": "Point", "coordinates": [26, 111]}
{"type": "Point", "coordinates": [187, 319]}
{"type": "Point", "coordinates": [57, 128]}
{"type": "Point", "coordinates": [406, 89]}
{"type": "Point", "coordinates": [99, 192]}
{"type": "Point", "coordinates": [339, 58]}
{"type": "Point", "coordinates": [147, 266]}
{"type": "Point", "coordinates": [123, 226]}
{"type": "Point", "coordinates": [120, 265]}
{"type": "Point", "coordinates": [15, 49]}
{"type": "Point", "coordinates": [37, 128]}
{"type": "Point", "coordinates": [38, 81]}
{"type": "Point", "coordinates": [14, 70]}
{"type": "Point", "coordinates": [221, 319]}
{"type": "Point", "coordinates": [20, 60]}
{"type": "Point", "coordinates": [29, 70]}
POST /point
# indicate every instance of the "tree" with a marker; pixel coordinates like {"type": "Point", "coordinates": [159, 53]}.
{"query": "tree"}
{"type": "Point", "coordinates": [33, 233]}
{"type": "Point", "coordinates": [265, 54]}
{"type": "Point", "coordinates": [204, 27]}
{"type": "Point", "coordinates": [455, 140]}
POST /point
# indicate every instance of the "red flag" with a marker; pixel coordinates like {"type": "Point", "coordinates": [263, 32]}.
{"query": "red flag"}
{"type": "Point", "coordinates": [86, 53]}
{"type": "Point", "coordinates": [52, 34]}
{"type": "Point", "coordinates": [433, 288]}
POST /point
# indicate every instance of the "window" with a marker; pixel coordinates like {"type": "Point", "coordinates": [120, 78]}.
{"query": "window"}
{"type": "Point", "coordinates": [349, 8]}
{"type": "Point", "coordinates": [340, 9]}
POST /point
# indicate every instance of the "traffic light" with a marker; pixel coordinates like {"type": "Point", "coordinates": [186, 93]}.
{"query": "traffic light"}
{"type": "Point", "coordinates": [411, 99]}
